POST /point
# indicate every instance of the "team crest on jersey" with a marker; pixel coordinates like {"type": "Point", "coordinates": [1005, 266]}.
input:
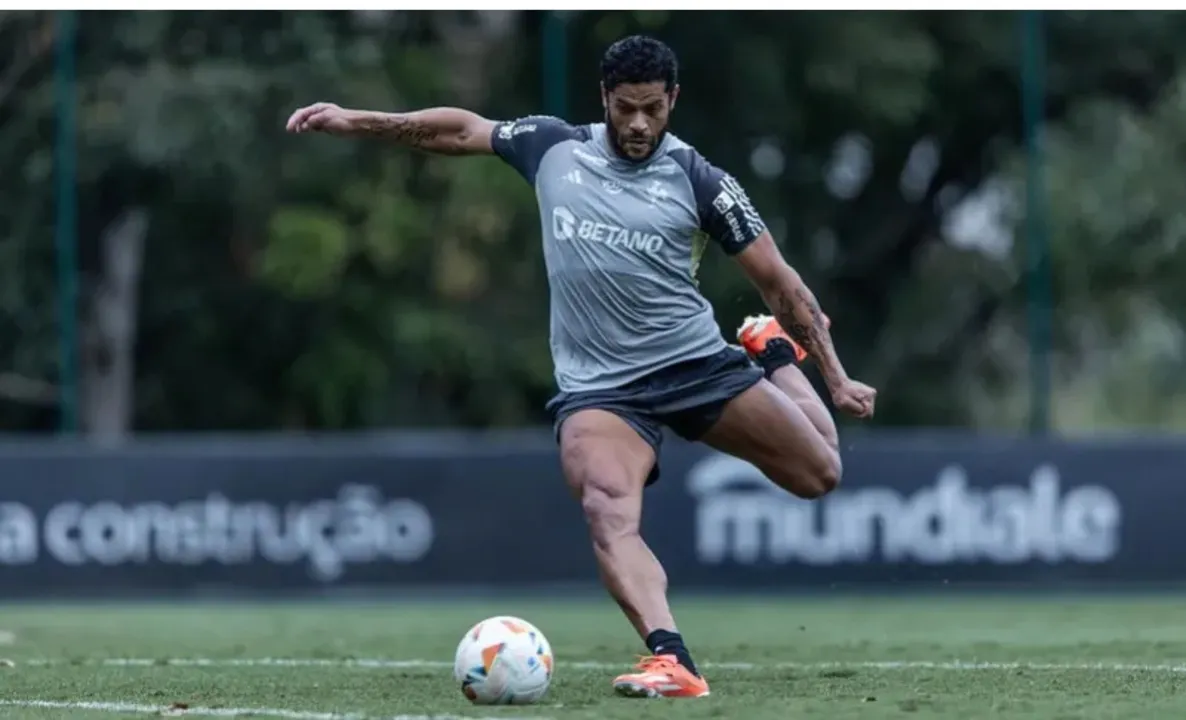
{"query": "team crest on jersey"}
{"type": "Point", "coordinates": [656, 192]}
{"type": "Point", "coordinates": [613, 187]}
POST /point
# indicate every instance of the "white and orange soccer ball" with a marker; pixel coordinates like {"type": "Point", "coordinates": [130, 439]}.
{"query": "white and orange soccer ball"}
{"type": "Point", "coordinates": [504, 660]}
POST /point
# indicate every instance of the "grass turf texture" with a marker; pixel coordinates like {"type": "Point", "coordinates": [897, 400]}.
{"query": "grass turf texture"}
{"type": "Point", "coordinates": [764, 658]}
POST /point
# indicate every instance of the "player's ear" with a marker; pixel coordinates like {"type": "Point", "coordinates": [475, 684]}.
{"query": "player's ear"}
{"type": "Point", "coordinates": [673, 96]}
{"type": "Point", "coordinates": [604, 98]}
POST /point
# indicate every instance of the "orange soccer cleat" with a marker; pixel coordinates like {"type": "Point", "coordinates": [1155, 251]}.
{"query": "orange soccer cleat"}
{"type": "Point", "coordinates": [660, 676]}
{"type": "Point", "coordinates": [758, 330]}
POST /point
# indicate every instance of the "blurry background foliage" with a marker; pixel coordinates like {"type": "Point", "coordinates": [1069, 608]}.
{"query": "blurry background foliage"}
{"type": "Point", "coordinates": [313, 282]}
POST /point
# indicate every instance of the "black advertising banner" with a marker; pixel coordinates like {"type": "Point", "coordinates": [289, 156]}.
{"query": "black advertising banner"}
{"type": "Point", "coordinates": [909, 511]}
{"type": "Point", "coordinates": [284, 517]}
{"type": "Point", "coordinates": [455, 510]}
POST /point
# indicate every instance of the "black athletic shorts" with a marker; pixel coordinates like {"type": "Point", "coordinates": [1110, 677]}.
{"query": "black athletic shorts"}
{"type": "Point", "coordinates": [687, 397]}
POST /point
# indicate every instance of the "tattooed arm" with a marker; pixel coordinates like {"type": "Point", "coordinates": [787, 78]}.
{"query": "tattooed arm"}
{"type": "Point", "coordinates": [793, 305]}
{"type": "Point", "coordinates": [445, 131]}
{"type": "Point", "coordinates": [728, 216]}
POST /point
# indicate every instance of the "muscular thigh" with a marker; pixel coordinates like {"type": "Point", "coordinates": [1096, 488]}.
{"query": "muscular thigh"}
{"type": "Point", "coordinates": [606, 464]}
{"type": "Point", "coordinates": [766, 428]}
{"type": "Point", "coordinates": [795, 385]}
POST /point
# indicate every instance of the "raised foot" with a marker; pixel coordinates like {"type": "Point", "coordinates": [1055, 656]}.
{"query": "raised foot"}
{"type": "Point", "coordinates": [757, 331]}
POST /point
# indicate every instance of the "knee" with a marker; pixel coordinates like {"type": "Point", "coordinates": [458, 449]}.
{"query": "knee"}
{"type": "Point", "coordinates": [809, 478]}
{"type": "Point", "coordinates": [825, 476]}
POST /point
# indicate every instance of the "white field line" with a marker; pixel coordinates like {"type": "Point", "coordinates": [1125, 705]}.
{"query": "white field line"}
{"type": "Point", "coordinates": [174, 711]}
{"type": "Point", "coordinates": [382, 664]}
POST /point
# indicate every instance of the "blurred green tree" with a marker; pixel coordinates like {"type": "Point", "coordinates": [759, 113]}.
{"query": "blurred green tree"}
{"type": "Point", "coordinates": [312, 282]}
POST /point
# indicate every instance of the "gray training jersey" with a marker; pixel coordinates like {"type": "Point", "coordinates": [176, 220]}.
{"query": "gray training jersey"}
{"type": "Point", "coordinates": [621, 243]}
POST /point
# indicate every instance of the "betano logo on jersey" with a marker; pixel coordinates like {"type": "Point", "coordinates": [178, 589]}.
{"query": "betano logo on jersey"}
{"type": "Point", "coordinates": [567, 226]}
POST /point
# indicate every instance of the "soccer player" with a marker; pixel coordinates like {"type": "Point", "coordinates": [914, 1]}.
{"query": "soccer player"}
{"type": "Point", "coordinates": [625, 206]}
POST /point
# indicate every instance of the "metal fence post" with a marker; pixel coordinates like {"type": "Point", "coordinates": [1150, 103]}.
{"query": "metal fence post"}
{"type": "Point", "coordinates": [1039, 299]}
{"type": "Point", "coordinates": [66, 220]}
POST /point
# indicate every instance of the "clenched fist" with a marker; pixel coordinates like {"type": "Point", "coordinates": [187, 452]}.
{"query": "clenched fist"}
{"type": "Point", "coordinates": [854, 398]}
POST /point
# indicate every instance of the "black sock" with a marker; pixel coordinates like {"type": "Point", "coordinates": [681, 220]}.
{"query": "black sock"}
{"type": "Point", "coordinates": [665, 642]}
{"type": "Point", "coordinates": [778, 354]}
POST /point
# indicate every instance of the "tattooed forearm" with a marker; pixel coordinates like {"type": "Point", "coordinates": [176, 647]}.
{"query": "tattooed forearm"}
{"type": "Point", "coordinates": [445, 131]}
{"type": "Point", "coordinates": [808, 334]}
{"type": "Point", "coordinates": [398, 128]}
{"type": "Point", "coordinates": [800, 315]}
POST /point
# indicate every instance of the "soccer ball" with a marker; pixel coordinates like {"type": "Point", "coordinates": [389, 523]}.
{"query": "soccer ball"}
{"type": "Point", "coordinates": [503, 660]}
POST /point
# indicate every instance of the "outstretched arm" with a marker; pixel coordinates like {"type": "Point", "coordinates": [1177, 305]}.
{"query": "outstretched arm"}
{"type": "Point", "coordinates": [443, 130]}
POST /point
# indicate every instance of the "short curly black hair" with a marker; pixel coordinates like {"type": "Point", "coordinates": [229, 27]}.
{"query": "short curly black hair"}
{"type": "Point", "coordinates": [639, 59]}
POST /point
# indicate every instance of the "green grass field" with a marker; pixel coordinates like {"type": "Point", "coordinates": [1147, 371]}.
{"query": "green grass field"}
{"type": "Point", "coordinates": [1056, 659]}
